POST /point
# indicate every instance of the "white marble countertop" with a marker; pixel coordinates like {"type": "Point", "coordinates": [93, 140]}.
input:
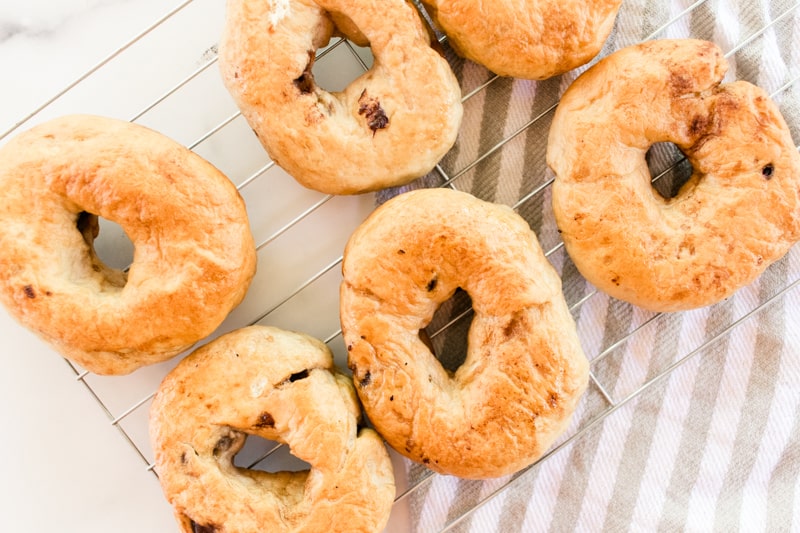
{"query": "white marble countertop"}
{"type": "Point", "coordinates": [76, 448]}
{"type": "Point", "coordinates": [66, 467]}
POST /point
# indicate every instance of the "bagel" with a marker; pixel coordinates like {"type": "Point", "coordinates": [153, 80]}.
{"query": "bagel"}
{"type": "Point", "coordinates": [281, 386]}
{"type": "Point", "coordinates": [194, 254]}
{"type": "Point", "coordinates": [530, 39]}
{"type": "Point", "coordinates": [739, 211]}
{"type": "Point", "coordinates": [388, 127]}
{"type": "Point", "coordinates": [524, 370]}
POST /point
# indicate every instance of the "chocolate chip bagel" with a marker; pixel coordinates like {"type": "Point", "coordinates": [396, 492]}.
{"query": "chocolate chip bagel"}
{"type": "Point", "coordinates": [531, 39]}
{"type": "Point", "coordinates": [739, 211]}
{"type": "Point", "coordinates": [281, 386]}
{"type": "Point", "coordinates": [387, 127]}
{"type": "Point", "coordinates": [194, 253]}
{"type": "Point", "coordinates": [524, 370]}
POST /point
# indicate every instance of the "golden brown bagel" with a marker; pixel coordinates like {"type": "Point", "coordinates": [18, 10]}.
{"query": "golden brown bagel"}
{"type": "Point", "coordinates": [389, 126]}
{"type": "Point", "coordinates": [194, 254]}
{"type": "Point", "coordinates": [524, 370]}
{"type": "Point", "coordinates": [281, 386]}
{"type": "Point", "coordinates": [739, 211]}
{"type": "Point", "coordinates": [530, 39]}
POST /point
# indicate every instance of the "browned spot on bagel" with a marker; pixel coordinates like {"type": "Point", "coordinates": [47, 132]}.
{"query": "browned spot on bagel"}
{"type": "Point", "coordinates": [265, 420]}
{"type": "Point", "coordinates": [29, 292]}
{"type": "Point", "coordinates": [371, 109]}
{"type": "Point", "coordinates": [679, 82]}
{"type": "Point", "coordinates": [515, 326]}
{"type": "Point", "coordinates": [699, 125]}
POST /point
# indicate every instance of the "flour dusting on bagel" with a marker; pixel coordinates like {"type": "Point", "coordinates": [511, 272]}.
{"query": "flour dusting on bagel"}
{"type": "Point", "coordinates": [524, 370]}
{"type": "Point", "coordinates": [739, 211]}
{"type": "Point", "coordinates": [389, 126]}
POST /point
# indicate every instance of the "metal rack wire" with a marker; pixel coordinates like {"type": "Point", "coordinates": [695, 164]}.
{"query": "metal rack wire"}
{"type": "Point", "coordinates": [126, 405]}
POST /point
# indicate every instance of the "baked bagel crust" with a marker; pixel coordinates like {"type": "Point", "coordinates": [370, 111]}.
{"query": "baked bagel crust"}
{"type": "Point", "coordinates": [524, 369]}
{"type": "Point", "coordinates": [281, 386]}
{"type": "Point", "coordinates": [194, 254]}
{"type": "Point", "coordinates": [389, 126]}
{"type": "Point", "coordinates": [531, 39]}
{"type": "Point", "coordinates": [739, 211]}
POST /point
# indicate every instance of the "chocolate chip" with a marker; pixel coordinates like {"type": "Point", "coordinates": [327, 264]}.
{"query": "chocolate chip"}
{"type": "Point", "coordinates": [432, 284]}
{"type": "Point", "coordinates": [373, 112]}
{"type": "Point", "coordinates": [298, 376]}
{"type": "Point", "coordinates": [305, 83]}
{"type": "Point", "coordinates": [29, 292]}
{"type": "Point", "coordinates": [767, 171]}
{"type": "Point", "coordinates": [366, 380]}
{"type": "Point", "coordinates": [208, 528]}
{"type": "Point", "coordinates": [265, 420]}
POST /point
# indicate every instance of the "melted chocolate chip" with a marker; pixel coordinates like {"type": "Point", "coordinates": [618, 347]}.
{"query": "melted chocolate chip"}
{"type": "Point", "coordinates": [366, 380]}
{"type": "Point", "coordinates": [305, 83]}
{"type": "Point", "coordinates": [298, 376]}
{"type": "Point", "coordinates": [432, 284]}
{"type": "Point", "coordinates": [265, 420]}
{"type": "Point", "coordinates": [767, 171]}
{"type": "Point", "coordinates": [29, 292]}
{"type": "Point", "coordinates": [208, 528]}
{"type": "Point", "coordinates": [373, 112]}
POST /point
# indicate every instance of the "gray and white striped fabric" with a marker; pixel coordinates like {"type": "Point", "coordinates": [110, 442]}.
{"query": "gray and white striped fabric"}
{"type": "Point", "coordinates": [692, 420]}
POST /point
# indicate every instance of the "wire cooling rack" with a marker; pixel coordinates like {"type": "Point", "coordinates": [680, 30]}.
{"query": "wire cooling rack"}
{"type": "Point", "coordinates": [301, 234]}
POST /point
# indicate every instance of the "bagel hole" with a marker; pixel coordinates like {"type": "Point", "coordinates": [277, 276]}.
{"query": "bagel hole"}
{"type": "Point", "coordinates": [268, 456]}
{"type": "Point", "coordinates": [669, 169]}
{"type": "Point", "coordinates": [111, 244]}
{"type": "Point", "coordinates": [338, 65]}
{"type": "Point", "coordinates": [446, 334]}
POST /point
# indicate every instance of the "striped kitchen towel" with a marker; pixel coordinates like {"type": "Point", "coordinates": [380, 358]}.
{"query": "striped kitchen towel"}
{"type": "Point", "coordinates": [691, 420]}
